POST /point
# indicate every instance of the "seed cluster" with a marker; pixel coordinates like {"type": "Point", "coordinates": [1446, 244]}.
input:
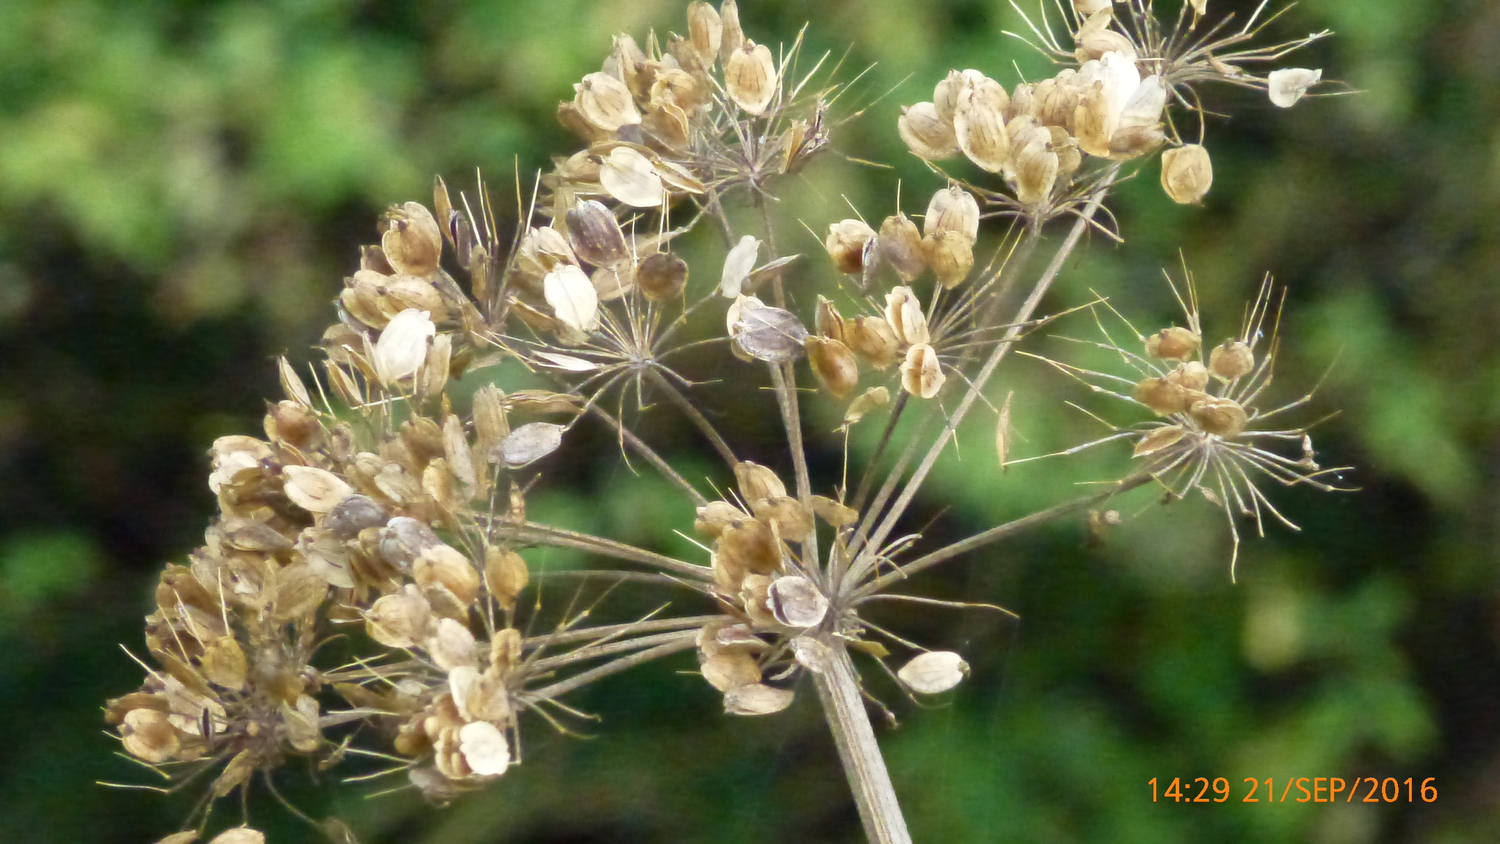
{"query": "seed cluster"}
{"type": "Point", "coordinates": [367, 575]}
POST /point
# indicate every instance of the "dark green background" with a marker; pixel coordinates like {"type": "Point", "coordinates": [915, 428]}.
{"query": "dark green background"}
{"type": "Point", "coordinates": [183, 185]}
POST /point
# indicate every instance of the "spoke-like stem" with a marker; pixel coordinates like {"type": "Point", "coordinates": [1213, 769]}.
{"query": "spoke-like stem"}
{"type": "Point", "coordinates": [867, 558]}
{"type": "Point", "coordinates": [849, 721]}
{"type": "Point", "coordinates": [649, 454]}
{"type": "Point", "coordinates": [999, 532]}
{"type": "Point", "coordinates": [689, 640]}
{"type": "Point", "coordinates": [558, 537]}
{"type": "Point", "coordinates": [783, 377]}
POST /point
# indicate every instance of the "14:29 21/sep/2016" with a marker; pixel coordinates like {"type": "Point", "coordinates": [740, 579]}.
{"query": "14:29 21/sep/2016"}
{"type": "Point", "coordinates": [1295, 789]}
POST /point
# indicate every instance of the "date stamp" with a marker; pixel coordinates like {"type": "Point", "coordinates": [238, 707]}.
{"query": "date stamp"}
{"type": "Point", "coordinates": [1294, 790]}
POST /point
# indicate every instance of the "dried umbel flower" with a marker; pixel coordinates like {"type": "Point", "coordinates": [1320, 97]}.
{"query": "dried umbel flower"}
{"type": "Point", "coordinates": [1186, 173]}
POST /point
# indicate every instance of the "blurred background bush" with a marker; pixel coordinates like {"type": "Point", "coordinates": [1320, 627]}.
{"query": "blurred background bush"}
{"type": "Point", "coordinates": [184, 183]}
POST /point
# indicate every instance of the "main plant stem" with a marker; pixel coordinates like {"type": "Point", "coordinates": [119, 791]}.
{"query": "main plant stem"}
{"type": "Point", "coordinates": [849, 721]}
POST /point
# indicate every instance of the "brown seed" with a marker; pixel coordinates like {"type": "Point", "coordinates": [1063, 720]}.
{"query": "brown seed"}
{"type": "Point", "coordinates": [847, 243]}
{"type": "Point", "coordinates": [669, 126]}
{"type": "Point", "coordinates": [1036, 173]}
{"type": "Point", "coordinates": [1160, 438]}
{"type": "Point", "coordinates": [757, 482]}
{"type": "Point", "coordinates": [951, 256]}
{"type": "Point", "coordinates": [445, 565]}
{"type": "Point", "coordinates": [901, 246]}
{"type": "Point", "coordinates": [1191, 375]}
{"type": "Point", "coordinates": [769, 334]}
{"type": "Point", "coordinates": [756, 699]}
{"type": "Point", "coordinates": [1162, 396]}
{"type": "Point", "coordinates": [833, 364]}
{"type": "Point", "coordinates": [926, 134]}
{"type": "Point", "coordinates": [921, 373]}
{"type": "Point", "coordinates": [749, 546]}
{"type": "Point", "coordinates": [903, 312]}
{"type": "Point", "coordinates": [829, 322]}
{"type": "Point", "coordinates": [224, 664]}
{"type": "Point", "coordinates": [733, 36]}
{"type": "Point", "coordinates": [505, 574]}
{"type": "Point", "coordinates": [662, 277]}
{"type": "Point", "coordinates": [1224, 417]}
{"type": "Point", "coordinates": [1186, 173]}
{"type": "Point", "coordinates": [730, 669]}
{"type": "Point", "coordinates": [872, 338]}
{"type": "Point", "coordinates": [595, 234]}
{"type": "Point", "coordinates": [750, 77]}
{"type": "Point", "coordinates": [1175, 343]}
{"type": "Point", "coordinates": [832, 512]}
{"type": "Point", "coordinates": [148, 735]}
{"type": "Point", "coordinates": [706, 31]}
{"type": "Point", "coordinates": [952, 209]}
{"type": "Point", "coordinates": [786, 515]}
{"type": "Point", "coordinates": [867, 401]}
{"type": "Point", "coordinates": [411, 239]}
{"type": "Point", "coordinates": [1230, 360]}
{"type": "Point", "coordinates": [715, 516]}
{"type": "Point", "coordinates": [979, 126]}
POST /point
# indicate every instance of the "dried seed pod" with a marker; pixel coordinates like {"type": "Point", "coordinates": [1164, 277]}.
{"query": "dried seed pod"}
{"type": "Point", "coordinates": [1036, 173]}
{"type": "Point", "coordinates": [730, 669]}
{"type": "Point", "coordinates": [631, 178]}
{"type": "Point", "coordinates": [933, 672]}
{"type": "Point", "coordinates": [543, 250]}
{"type": "Point", "coordinates": [1231, 359]}
{"type": "Point", "coordinates": [833, 364]}
{"type": "Point", "coordinates": [921, 374]}
{"type": "Point", "coordinates": [1224, 417]}
{"type": "Point", "coordinates": [662, 276]}
{"type": "Point", "coordinates": [785, 514]}
{"type": "Point", "coordinates": [903, 312]}
{"type": "Point", "coordinates": [446, 565]}
{"type": "Point", "coordinates": [595, 234]}
{"type": "Point", "coordinates": [1138, 130]}
{"type": "Point", "coordinates": [149, 735]}
{"type": "Point", "coordinates": [1186, 173]}
{"type": "Point", "coordinates": [484, 748]}
{"type": "Point", "coordinates": [402, 346]}
{"type": "Point", "coordinates": [610, 283]}
{"type": "Point", "coordinates": [750, 77]}
{"type": "Point", "coordinates": [737, 266]}
{"type": "Point", "coordinates": [951, 256]}
{"type": "Point", "coordinates": [872, 338]}
{"type": "Point", "coordinates": [530, 443]}
{"type": "Point", "coordinates": [901, 246]}
{"type": "Point", "coordinates": [411, 239]}
{"type": "Point", "coordinates": [1089, 7]}
{"type": "Point", "coordinates": [399, 620]}
{"type": "Point", "coordinates": [757, 482]}
{"type": "Point", "coordinates": [1191, 375]}
{"type": "Point", "coordinates": [240, 835]}
{"type": "Point", "coordinates": [574, 302]}
{"type": "Point", "coordinates": [505, 575]}
{"type": "Point", "coordinates": [847, 242]}
{"type": "Point", "coordinates": [733, 36]}
{"type": "Point", "coordinates": [769, 334]}
{"type": "Point", "coordinates": [668, 124]}
{"type": "Point", "coordinates": [715, 516]}
{"type": "Point", "coordinates": [1160, 438]}
{"type": "Point", "coordinates": [952, 209]}
{"type": "Point", "coordinates": [749, 546]}
{"type": "Point", "coordinates": [1094, 43]}
{"type": "Point", "coordinates": [451, 645]}
{"type": "Point", "coordinates": [927, 135]}
{"type": "Point", "coordinates": [315, 490]}
{"type": "Point", "coordinates": [1175, 343]}
{"type": "Point", "coordinates": [979, 126]}
{"type": "Point", "coordinates": [605, 102]}
{"type": "Point", "coordinates": [293, 424]}
{"type": "Point", "coordinates": [327, 556]}
{"type": "Point", "coordinates": [1287, 85]}
{"type": "Point", "coordinates": [835, 514]}
{"type": "Point", "coordinates": [796, 602]}
{"type": "Point", "coordinates": [756, 699]}
{"type": "Point", "coordinates": [829, 322]}
{"type": "Point", "coordinates": [705, 30]}
{"type": "Point", "coordinates": [1162, 396]}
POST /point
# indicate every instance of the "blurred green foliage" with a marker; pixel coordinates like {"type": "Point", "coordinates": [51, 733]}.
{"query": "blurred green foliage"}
{"type": "Point", "coordinates": [183, 184]}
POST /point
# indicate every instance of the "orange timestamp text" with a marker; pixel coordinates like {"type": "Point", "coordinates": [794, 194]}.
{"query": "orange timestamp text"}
{"type": "Point", "coordinates": [1294, 790]}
